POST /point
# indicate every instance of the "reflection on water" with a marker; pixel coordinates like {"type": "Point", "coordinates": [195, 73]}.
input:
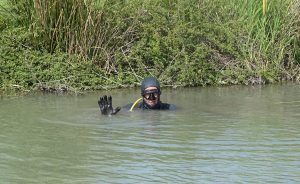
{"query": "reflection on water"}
{"type": "Point", "coordinates": [228, 135]}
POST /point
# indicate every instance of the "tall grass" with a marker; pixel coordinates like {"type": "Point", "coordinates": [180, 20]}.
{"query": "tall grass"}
{"type": "Point", "coordinates": [90, 29]}
{"type": "Point", "coordinates": [270, 37]}
{"type": "Point", "coordinates": [267, 41]}
{"type": "Point", "coordinates": [187, 42]}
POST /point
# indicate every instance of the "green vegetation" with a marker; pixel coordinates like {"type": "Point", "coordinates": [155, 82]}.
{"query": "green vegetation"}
{"type": "Point", "coordinates": [76, 45]}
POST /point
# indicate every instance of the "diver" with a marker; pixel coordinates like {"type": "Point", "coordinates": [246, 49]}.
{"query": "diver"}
{"type": "Point", "coordinates": [150, 91]}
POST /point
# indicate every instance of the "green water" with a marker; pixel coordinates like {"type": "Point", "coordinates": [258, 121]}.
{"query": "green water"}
{"type": "Point", "coordinates": [217, 135]}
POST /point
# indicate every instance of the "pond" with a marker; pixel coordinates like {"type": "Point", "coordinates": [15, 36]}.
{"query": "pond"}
{"type": "Point", "coordinates": [237, 134]}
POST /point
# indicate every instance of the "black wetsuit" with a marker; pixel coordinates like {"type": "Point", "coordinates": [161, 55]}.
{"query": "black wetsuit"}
{"type": "Point", "coordinates": [158, 106]}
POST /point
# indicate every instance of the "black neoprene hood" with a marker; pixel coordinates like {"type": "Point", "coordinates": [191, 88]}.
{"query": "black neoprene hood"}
{"type": "Point", "coordinates": [149, 82]}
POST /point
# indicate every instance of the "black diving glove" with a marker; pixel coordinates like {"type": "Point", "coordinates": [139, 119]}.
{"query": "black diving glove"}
{"type": "Point", "coordinates": [105, 104]}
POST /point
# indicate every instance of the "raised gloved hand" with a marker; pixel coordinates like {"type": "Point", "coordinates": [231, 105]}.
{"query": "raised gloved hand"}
{"type": "Point", "coordinates": [105, 104]}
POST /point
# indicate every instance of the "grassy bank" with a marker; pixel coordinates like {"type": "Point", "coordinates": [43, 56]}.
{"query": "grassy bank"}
{"type": "Point", "coordinates": [78, 45]}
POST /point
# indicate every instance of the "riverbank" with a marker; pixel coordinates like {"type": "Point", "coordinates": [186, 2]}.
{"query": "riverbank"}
{"type": "Point", "coordinates": [83, 46]}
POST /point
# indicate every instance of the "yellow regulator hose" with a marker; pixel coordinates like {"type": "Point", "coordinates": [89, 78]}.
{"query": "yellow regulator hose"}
{"type": "Point", "coordinates": [134, 104]}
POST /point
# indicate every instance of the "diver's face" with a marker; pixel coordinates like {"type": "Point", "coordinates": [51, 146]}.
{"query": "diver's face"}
{"type": "Point", "coordinates": [151, 96]}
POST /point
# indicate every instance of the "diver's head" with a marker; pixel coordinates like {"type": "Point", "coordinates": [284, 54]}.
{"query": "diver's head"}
{"type": "Point", "coordinates": [150, 90]}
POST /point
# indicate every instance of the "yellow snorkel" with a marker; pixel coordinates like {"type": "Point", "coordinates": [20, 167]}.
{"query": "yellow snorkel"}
{"type": "Point", "coordinates": [134, 104]}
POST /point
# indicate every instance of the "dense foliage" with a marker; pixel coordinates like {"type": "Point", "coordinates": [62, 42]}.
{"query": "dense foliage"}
{"type": "Point", "coordinates": [77, 45]}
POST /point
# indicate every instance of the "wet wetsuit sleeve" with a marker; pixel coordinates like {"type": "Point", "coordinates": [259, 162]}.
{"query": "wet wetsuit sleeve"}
{"type": "Point", "coordinates": [172, 107]}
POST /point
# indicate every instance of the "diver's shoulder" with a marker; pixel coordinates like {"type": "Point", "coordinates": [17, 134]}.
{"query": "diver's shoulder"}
{"type": "Point", "coordinates": [128, 106]}
{"type": "Point", "coordinates": [167, 106]}
{"type": "Point", "coordinates": [136, 106]}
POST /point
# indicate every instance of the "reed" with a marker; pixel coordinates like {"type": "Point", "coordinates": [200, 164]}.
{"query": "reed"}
{"type": "Point", "coordinates": [264, 4]}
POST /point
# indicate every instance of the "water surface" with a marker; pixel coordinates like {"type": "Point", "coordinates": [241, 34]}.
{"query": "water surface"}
{"type": "Point", "coordinates": [218, 134]}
